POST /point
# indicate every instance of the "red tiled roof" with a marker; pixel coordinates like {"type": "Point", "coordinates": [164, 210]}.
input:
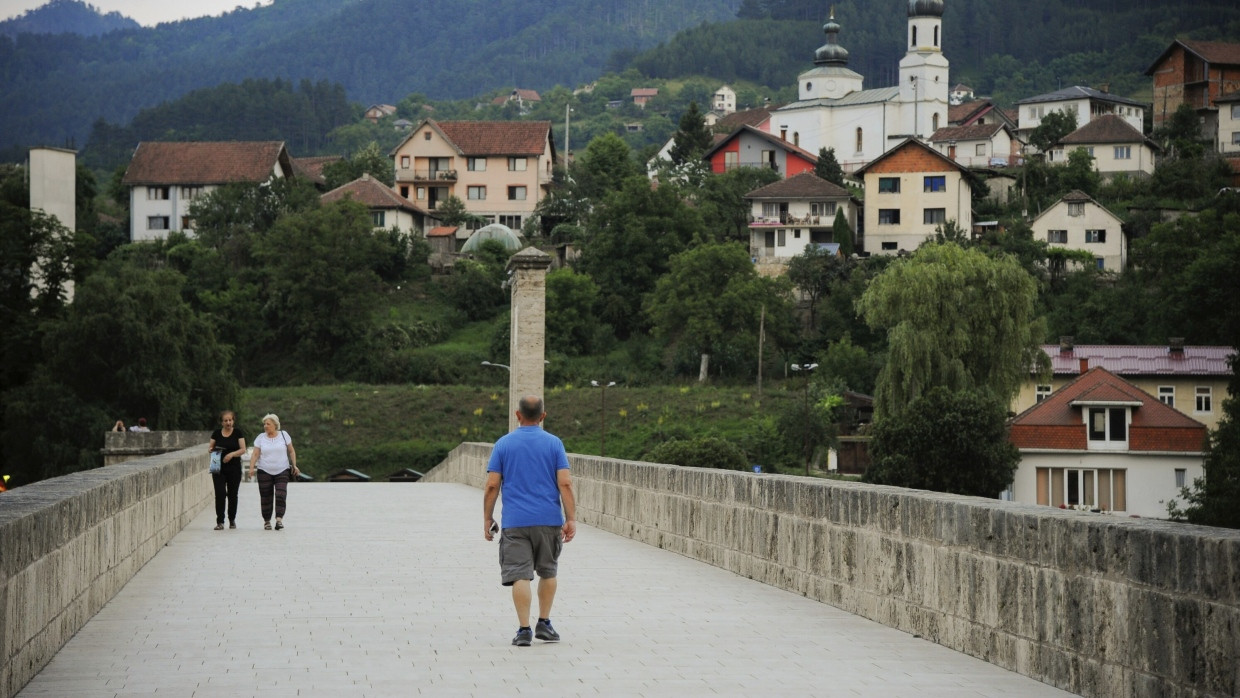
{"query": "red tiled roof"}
{"type": "Point", "coordinates": [1055, 423]}
{"type": "Point", "coordinates": [769, 138]}
{"type": "Point", "coordinates": [497, 137]}
{"type": "Point", "coordinates": [802, 186]}
{"type": "Point", "coordinates": [1142, 360]}
{"type": "Point", "coordinates": [964, 113]}
{"type": "Point", "coordinates": [311, 168]}
{"type": "Point", "coordinates": [972, 132]}
{"type": "Point", "coordinates": [644, 92]}
{"type": "Point", "coordinates": [372, 194]}
{"type": "Point", "coordinates": [1215, 51]}
{"type": "Point", "coordinates": [748, 117]}
{"type": "Point", "coordinates": [1108, 128]}
{"type": "Point", "coordinates": [442, 231]}
{"type": "Point", "coordinates": [157, 162]}
{"type": "Point", "coordinates": [910, 143]}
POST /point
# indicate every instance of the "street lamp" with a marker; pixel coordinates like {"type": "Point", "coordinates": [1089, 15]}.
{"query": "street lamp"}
{"type": "Point", "coordinates": [602, 445]}
{"type": "Point", "coordinates": [506, 368]}
{"type": "Point", "coordinates": [805, 428]}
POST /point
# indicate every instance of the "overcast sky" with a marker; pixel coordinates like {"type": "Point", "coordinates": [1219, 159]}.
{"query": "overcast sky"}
{"type": "Point", "coordinates": [145, 12]}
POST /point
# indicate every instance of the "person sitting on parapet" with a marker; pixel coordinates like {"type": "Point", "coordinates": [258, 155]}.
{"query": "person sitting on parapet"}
{"type": "Point", "coordinates": [119, 426]}
{"type": "Point", "coordinates": [141, 425]}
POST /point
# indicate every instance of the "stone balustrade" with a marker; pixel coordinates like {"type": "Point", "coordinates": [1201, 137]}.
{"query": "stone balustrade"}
{"type": "Point", "coordinates": [1095, 604]}
{"type": "Point", "coordinates": [68, 545]}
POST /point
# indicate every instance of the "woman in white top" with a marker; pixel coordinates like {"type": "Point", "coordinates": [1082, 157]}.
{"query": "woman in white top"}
{"type": "Point", "coordinates": [276, 462]}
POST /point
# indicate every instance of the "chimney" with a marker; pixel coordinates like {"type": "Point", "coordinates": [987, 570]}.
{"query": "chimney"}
{"type": "Point", "coordinates": [1065, 343]}
{"type": "Point", "coordinates": [1105, 88]}
{"type": "Point", "coordinates": [1175, 346]}
{"type": "Point", "coordinates": [1084, 364]}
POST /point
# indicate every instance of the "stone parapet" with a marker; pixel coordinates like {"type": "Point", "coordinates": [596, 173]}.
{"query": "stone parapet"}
{"type": "Point", "coordinates": [121, 446]}
{"type": "Point", "coordinates": [68, 545]}
{"type": "Point", "coordinates": [1094, 604]}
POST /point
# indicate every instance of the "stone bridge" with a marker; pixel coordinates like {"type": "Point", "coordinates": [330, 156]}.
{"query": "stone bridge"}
{"type": "Point", "coordinates": [682, 580]}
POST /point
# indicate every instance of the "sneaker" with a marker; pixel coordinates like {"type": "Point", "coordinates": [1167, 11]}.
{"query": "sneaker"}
{"type": "Point", "coordinates": [544, 631]}
{"type": "Point", "coordinates": [279, 525]}
{"type": "Point", "coordinates": [232, 524]}
{"type": "Point", "coordinates": [523, 638]}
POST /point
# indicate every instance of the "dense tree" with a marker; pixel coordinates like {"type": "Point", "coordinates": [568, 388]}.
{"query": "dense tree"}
{"type": "Point", "coordinates": [702, 452]}
{"type": "Point", "coordinates": [572, 325]}
{"type": "Point", "coordinates": [1214, 498]}
{"type": "Point", "coordinates": [710, 294]}
{"type": "Point", "coordinates": [692, 139]}
{"type": "Point", "coordinates": [1053, 127]}
{"type": "Point", "coordinates": [604, 166]}
{"type": "Point", "coordinates": [814, 272]}
{"type": "Point", "coordinates": [721, 199]}
{"type": "Point", "coordinates": [849, 366]}
{"type": "Point", "coordinates": [828, 167]}
{"type": "Point", "coordinates": [946, 441]}
{"type": "Point", "coordinates": [842, 233]}
{"type": "Point", "coordinates": [1079, 173]}
{"type": "Point", "coordinates": [369, 160]}
{"type": "Point", "coordinates": [955, 318]}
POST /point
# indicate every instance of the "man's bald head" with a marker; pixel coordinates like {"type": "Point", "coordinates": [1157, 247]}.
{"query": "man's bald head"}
{"type": "Point", "coordinates": [530, 408]}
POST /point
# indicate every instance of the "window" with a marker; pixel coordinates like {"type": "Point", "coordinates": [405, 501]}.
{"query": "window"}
{"type": "Point", "coordinates": [1099, 263]}
{"type": "Point", "coordinates": [770, 210]}
{"type": "Point", "coordinates": [426, 136]}
{"type": "Point", "coordinates": [888, 216]}
{"type": "Point", "coordinates": [888, 185]}
{"type": "Point", "coordinates": [477, 193]}
{"type": "Point", "coordinates": [1042, 392]}
{"type": "Point", "coordinates": [404, 191]}
{"type": "Point", "coordinates": [1204, 402]}
{"type": "Point", "coordinates": [1076, 208]}
{"type": "Point", "coordinates": [796, 234]}
{"type": "Point", "coordinates": [1107, 427]}
{"type": "Point", "coordinates": [476, 164]}
{"type": "Point", "coordinates": [377, 218]}
{"type": "Point", "coordinates": [421, 193]}
{"type": "Point", "coordinates": [859, 140]}
{"type": "Point", "coordinates": [157, 193]}
{"type": "Point", "coordinates": [781, 238]}
{"type": "Point", "coordinates": [1102, 489]}
{"type": "Point", "coordinates": [479, 222]}
{"type": "Point", "coordinates": [516, 193]}
{"type": "Point", "coordinates": [1181, 477]}
{"type": "Point", "coordinates": [516, 164]}
{"type": "Point", "coordinates": [157, 222]}
{"type": "Point", "coordinates": [796, 138]}
{"type": "Point", "coordinates": [1095, 236]}
{"type": "Point", "coordinates": [936, 36]}
{"type": "Point", "coordinates": [889, 246]}
{"type": "Point", "coordinates": [1235, 137]}
{"type": "Point", "coordinates": [1166, 395]}
{"type": "Point", "coordinates": [936, 183]}
{"type": "Point", "coordinates": [913, 41]}
{"type": "Point", "coordinates": [1123, 152]}
{"type": "Point", "coordinates": [934, 121]}
{"type": "Point", "coordinates": [731, 160]}
{"type": "Point", "coordinates": [1060, 236]}
{"type": "Point", "coordinates": [980, 149]}
{"type": "Point", "coordinates": [934, 216]}
{"type": "Point", "coordinates": [1235, 111]}
{"type": "Point", "coordinates": [404, 162]}
{"type": "Point", "coordinates": [187, 223]}
{"type": "Point", "coordinates": [822, 208]}
{"type": "Point", "coordinates": [513, 222]}
{"type": "Point", "coordinates": [191, 193]}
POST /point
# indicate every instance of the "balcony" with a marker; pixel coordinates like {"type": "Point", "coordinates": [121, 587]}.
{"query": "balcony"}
{"type": "Point", "coordinates": [789, 219]}
{"type": "Point", "coordinates": [408, 174]}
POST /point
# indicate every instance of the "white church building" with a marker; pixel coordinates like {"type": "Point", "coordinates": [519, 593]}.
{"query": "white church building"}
{"type": "Point", "coordinates": [833, 109]}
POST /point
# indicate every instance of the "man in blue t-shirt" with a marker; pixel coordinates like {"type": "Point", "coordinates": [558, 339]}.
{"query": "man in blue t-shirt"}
{"type": "Point", "coordinates": [530, 469]}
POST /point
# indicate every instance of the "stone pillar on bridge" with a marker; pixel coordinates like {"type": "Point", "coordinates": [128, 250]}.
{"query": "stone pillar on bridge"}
{"type": "Point", "coordinates": [528, 340]}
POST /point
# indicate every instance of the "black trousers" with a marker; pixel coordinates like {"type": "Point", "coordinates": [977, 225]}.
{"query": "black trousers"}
{"type": "Point", "coordinates": [227, 485]}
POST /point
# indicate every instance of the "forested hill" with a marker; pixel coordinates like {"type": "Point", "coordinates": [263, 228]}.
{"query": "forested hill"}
{"type": "Point", "coordinates": [1008, 49]}
{"type": "Point", "coordinates": [52, 88]}
{"type": "Point", "coordinates": [66, 17]}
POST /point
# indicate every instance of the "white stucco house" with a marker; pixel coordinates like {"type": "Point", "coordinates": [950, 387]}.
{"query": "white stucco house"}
{"type": "Point", "coordinates": [165, 178]}
{"type": "Point", "coordinates": [792, 214]}
{"type": "Point", "coordinates": [1102, 444]}
{"type": "Point", "coordinates": [1077, 222]}
{"type": "Point", "coordinates": [1086, 103]}
{"type": "Point", "coordinates": [1116, 147]}
{"type": "Point", "coordinates": [387, 208]}
{"type": "Point", "coordinates": [979, 145]}
{"type": "Point", "coordinates": [1229, 123]}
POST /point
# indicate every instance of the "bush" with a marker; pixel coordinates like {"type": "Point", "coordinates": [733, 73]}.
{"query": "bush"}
{"type": "Point", "coordinates": [703, 452]}
{"type": "Point", "coordinates": [377, 461]}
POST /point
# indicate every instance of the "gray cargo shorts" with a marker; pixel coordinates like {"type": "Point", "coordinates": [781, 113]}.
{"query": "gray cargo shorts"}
{"type": "Point", "coordinates": [525, 550]}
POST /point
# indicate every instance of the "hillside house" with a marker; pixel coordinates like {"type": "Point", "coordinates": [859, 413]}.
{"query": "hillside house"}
{"type": "Point", "coordinates": [499, 169]}
{"type": "Point", "coordinates": [982, 111]}
{"type": "Point", "coordinates": [388, 209]}
{"type": "Point", "coordinates": [165, 178]}
{"type": "Point", "coordinates": [910, 191]}
{"type": "Point", "coordinates": [1196, 73]}
{"type": "Point", "coordinates": [524, 99]}
{"type": "Point", "coordinates": [723, 102]}
{"type": "Point", "coordinates": [1102, 444]}
{"type": "Point", "coordinates": [1228, 142]}
{"type": "Point", "coordinates": [960, 94]}
{"type": "Point", "coordinates": [788, 216]}
{"type": "Point", "coordinates": [1116, 147]}
{"type": "Point", "coordinates": [377, 111]}
{"type": "Point", "coordinates": [979, 145]}
{"type": "Point", "coordinates": [642, 95]}
{"type": "Point", "coordinates": [1085, 102]}
{"type": "Point", "coordinates": [750, 147]}
{"type": "Point", "coordinates": [1077, 222]}
{"type": "Point", "coordinates": [1192, 379]}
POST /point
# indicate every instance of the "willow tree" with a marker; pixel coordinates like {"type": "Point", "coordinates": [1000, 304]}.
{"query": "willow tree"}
{"type": "Point", "coordinates": [955, 318]}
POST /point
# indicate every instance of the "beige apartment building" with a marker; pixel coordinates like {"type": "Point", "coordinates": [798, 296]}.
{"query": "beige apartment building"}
{"type": "Point", "coordinates": [910, 191]}
{"type": "Point", "coordinates": [500, 170]}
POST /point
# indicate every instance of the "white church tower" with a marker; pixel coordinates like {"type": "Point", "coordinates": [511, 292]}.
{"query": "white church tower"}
{"type": "Point", "coordinates": [923, 71]}
{"type": "Point", "coordinates": [830, 78]}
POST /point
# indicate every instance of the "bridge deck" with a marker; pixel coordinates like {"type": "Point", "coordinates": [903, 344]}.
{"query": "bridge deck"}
{"type": "Point", "coordinates": [390, 590]}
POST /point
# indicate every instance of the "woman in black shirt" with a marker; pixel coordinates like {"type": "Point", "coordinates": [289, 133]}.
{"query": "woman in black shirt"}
{"type": "Point", "coordinates": [230, 443]}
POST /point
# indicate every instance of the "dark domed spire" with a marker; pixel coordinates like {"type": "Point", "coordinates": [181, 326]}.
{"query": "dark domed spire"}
{"type": "Point", "coordinates": [831, 53]}
{"type": "Point", "coordinates": [925, 8]}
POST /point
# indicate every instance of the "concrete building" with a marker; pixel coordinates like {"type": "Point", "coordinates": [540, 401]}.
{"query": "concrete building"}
{"type": "Point", "coordinates": [1077, 222]}
{"type": "Point", "coordinates": [1086, 103]}
{"type": "Point", "coordinates": [1101, 444]}
{"type": "Point", "coordinates": [1228, 142]}
{"type": "Point", "coordinates": [979, 144]}
{"type": "Point", "coordinates": [910, 191]}
{"type": "Point", "coordinates": [1196, 73]}
{"type": "Point", "coordinates": [164, 178]}
{"type": "Point", "coordinates": [790, 215]}
{"type": "Point", "coordinates": [1115, 146]}
{"type": "Point", "coordinates": [499, 169]}
{"type": "Point", "coordinates": [387, 208]}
